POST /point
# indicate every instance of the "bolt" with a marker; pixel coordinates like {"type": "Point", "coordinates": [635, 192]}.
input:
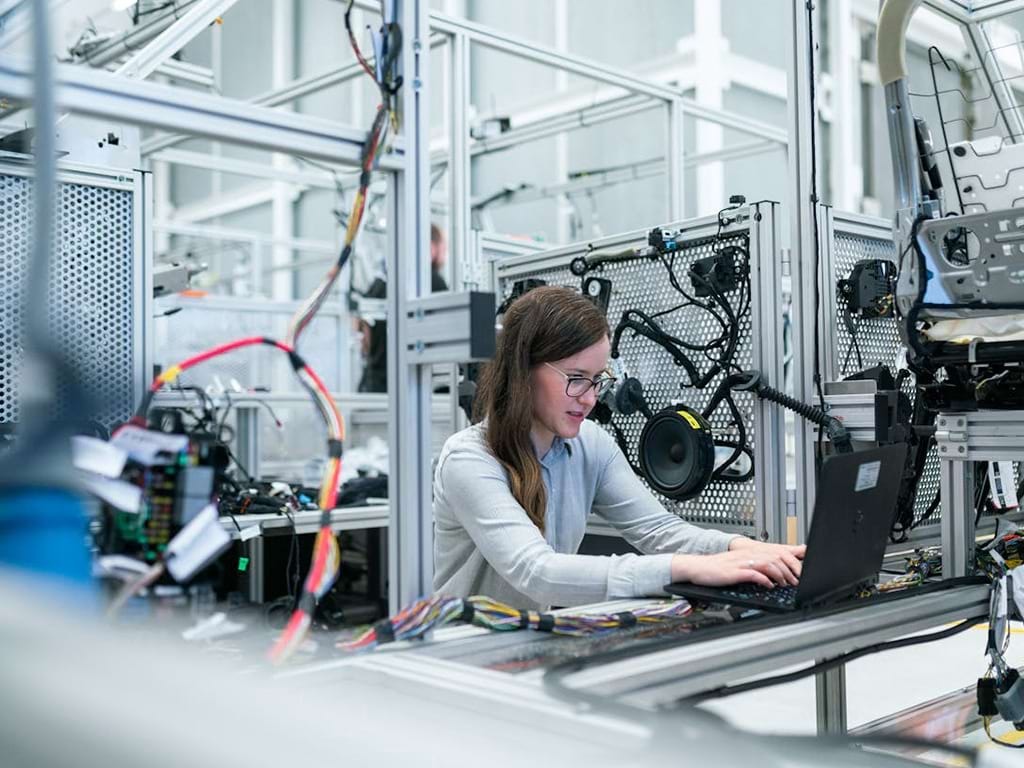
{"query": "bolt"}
{"type": "Point", "coordinates": [960, 449]}
{"type": "Point", "coordinates": [417, 83]}
{"type": "Point", "coordinates": [417, 45]}
{"type": "Point", "coordinates": [942, 422]}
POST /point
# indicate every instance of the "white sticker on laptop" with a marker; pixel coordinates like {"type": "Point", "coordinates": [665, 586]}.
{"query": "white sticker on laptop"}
{"type": "Point", "coordinates": [867, 476]}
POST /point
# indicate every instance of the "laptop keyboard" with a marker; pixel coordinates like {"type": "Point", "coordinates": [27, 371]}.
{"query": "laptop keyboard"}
{"type": "Point", "coordinates": [782, 595]}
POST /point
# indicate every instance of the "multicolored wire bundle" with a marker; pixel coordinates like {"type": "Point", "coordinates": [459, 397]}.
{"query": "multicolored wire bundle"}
{"type": "Point", "coordinates": [430, 613]}
{"type": "Point", "coordinates": [326, 552]}
{"type": "Point", "coordinates": [920, 566]}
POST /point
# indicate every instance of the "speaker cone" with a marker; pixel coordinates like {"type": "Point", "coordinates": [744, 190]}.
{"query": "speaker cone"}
{"type": "Point", "coordinates": [677, 452]}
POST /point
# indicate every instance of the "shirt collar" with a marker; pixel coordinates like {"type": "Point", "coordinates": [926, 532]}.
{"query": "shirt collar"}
{"type": "Point", "coordinates": [557, 449]}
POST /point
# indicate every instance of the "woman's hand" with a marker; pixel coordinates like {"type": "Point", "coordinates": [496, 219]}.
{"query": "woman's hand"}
{"type": "Point", "coordinates": [791, 556]}
{"type": "Point", "coordinates": [746, 561]}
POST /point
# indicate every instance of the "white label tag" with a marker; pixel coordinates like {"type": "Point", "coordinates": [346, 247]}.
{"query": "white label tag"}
{"type": "Point", "coordinates": [93, 455]}
{"type": "Point", "coordinates": [196, 545]}
{"type": "Point", "coordinates": [1002, 484]}
{"type": "Point", "coordinates": [117, 493]}
{"type": "Point", "coordinates": [250, 532]}
{"type": "Point", "coordinates": [145, 445]}
{"type": "Point", "coordinates": [867, 476]}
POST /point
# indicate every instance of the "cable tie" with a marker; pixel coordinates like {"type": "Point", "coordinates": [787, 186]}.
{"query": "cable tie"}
{"type": "Point", "coordinates": [384, 631]}
{"type": "Point", "coordinates": [334, 448]}
{"type": "Point", "coordinates": [545, 622]}
{"type": "Point", "coordinates": [468, 612]}
{"type": "Point", "coordinates": [524, 619]}
{"type": "Point", "coordinates": [626, 619]}
{"type": "Point", "coordinates": [307, 603]}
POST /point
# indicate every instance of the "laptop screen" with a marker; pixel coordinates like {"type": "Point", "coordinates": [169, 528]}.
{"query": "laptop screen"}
{"type": "Point", "coordinates": [853, 514]}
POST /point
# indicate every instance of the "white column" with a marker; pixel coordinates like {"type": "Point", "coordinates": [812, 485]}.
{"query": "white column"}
{"type": "Point", "coordinates": [217, 65]}
{"type": "Point", "coordinates": [282, 215]}
{"type": "Point", "coordinates": [561, 24]}
{"type": "Point", "coordinates": [847, 174]}
{"type": "Point", "coordinates": [712, 80]}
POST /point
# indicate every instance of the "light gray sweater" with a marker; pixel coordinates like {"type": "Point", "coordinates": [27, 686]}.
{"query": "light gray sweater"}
{"type": "Point", "coordinates": [484, 543]}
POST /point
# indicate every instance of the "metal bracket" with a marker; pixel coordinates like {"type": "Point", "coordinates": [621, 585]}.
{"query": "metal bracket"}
{"type": "Point", "coordinates": [450, 328]}
{"type": "Point", "coordinates": [951, 435]}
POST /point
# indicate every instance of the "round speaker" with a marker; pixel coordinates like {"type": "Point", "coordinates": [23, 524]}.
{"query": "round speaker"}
{"type": "Point", "coordinates": [677, 452]}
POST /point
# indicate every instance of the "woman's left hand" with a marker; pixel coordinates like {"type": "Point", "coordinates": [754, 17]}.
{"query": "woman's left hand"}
{"type": "Point", "coordinates": [786, 555]}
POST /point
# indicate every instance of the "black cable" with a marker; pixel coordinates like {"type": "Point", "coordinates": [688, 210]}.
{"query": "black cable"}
{"type": "Point", "coordinates": [822, 666]}
{"type": "Point", "coordinates": [292, 579]}
{"type": "Point", "coordinates": [814, 219]}
{"type": "Point", "coordinates": [224, 417]}
{"type": "Point", "coordinates": [671, 310]}
{"type": "Point", "coordinates": [942, 122]}
{"type": "Point", "coordinates": [620, 439]}
{"type": "Point", "coordinates": [928, 512]}
{"type": "Point", "coordinates": [854, 346]}
{"type": "Point", "coordinates": [739, 447]}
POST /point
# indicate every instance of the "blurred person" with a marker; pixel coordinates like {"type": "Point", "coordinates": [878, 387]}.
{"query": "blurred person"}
{"type": "Point", "coordinates": [374, 336]}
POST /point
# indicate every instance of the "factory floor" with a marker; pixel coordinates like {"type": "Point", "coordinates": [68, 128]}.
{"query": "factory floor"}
{"type": "Point", "coordinates": [883, 685]}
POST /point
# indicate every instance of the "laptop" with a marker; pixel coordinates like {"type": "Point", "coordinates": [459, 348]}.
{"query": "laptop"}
{"type": "Point", "coordinates": [853, 514]}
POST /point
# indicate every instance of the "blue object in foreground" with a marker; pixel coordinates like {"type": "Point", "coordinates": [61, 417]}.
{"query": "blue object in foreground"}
{"type": "Point", "coordinates": [43, 531]}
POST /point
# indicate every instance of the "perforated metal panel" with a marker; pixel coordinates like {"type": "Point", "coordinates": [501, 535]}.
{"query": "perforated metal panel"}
{"type": "Point", "coordinates": [878, 339]}
{"type": "Point", "coordinates": [644, 285]}
{"type": "Point", "coordinates": [94, 292]}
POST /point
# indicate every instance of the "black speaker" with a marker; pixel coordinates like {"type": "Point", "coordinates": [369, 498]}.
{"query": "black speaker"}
{"type": "Point", "coordinates": [677, 452]}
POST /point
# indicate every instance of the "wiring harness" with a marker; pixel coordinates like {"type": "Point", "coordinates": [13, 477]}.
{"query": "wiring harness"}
{"type": "Point", "coordinates": [725, 271]}
{"type": "Point", "coordinates": [326, 558]}
{"type": "Point", "coordinates": [429, 613]}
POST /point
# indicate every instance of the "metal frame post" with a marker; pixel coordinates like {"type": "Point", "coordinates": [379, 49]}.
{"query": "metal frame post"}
{"type": "Point", "coordinates": [830, 701]}
{"type": "Point", "coordinates": [145, 62]}
{"type": "Point", "coordinates": [674, 167]}
{"type": "Point", "coordinates": [768, 418]}
{"type": "Point", "coordinates": [410, 534]}
{"type": "Point", "coordinates": [956, 491]}
{"type": "Point", "coordinates": [803, 209]}
{"type": "Point", "coordinates": [459, 170]}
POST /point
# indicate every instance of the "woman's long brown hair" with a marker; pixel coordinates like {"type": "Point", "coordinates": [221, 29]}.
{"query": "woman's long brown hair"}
{"type": "Point", "coordinates": [547, 324]}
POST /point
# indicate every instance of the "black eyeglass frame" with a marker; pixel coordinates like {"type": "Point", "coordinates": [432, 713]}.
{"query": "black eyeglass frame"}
{"type": "Point", "coordinates": [600, 384]}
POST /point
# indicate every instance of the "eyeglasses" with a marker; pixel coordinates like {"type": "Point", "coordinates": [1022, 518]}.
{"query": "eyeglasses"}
{"type": "Point", "coordinates": [578, 386]}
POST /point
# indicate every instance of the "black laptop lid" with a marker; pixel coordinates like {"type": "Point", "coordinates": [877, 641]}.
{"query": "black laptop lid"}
{"type": "Point", "coordinates": [853, 514]}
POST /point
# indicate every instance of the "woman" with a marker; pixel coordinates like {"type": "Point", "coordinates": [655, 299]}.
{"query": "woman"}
{"type": "Point", "coordinates": [512, 493]}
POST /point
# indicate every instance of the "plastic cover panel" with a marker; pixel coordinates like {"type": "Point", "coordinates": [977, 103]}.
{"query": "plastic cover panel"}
{"type": "Point", "coordinates": [91, 307]}
{"type": "Point", "coordinates": [644, 285]}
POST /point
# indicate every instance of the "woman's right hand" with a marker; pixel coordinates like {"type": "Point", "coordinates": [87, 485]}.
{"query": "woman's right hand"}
{"type": "Point", "coordinates": [733, 567]}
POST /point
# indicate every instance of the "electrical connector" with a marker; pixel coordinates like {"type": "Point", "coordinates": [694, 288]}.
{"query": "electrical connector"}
{"type": "Point", "coordinates": [1010, 697]}
{"type": "Point", "coordinates": [987, 697]}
